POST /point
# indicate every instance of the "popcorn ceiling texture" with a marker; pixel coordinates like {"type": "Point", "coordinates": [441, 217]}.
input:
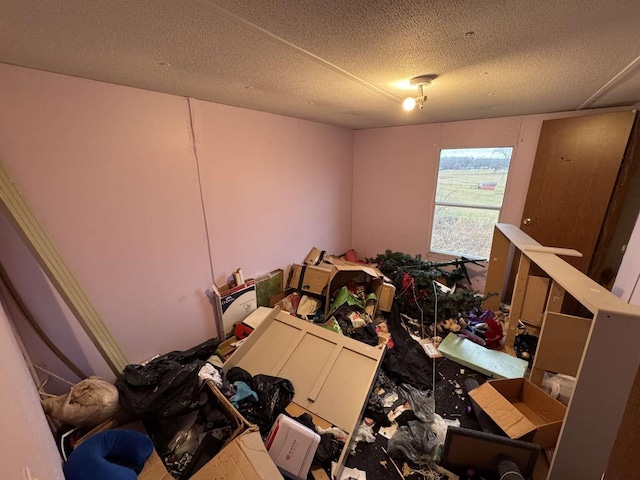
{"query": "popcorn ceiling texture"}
{"type": "Point", "coordinates": [340, 62]}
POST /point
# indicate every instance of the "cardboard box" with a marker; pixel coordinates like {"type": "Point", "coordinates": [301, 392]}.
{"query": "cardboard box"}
{"type": "Point", "coordinates": [309, 278]}
{"type": "Point", "coordinates": [292, 447]}
{"type": "Point", "coordinates": [522, 410]}
{"type": "Point", "coordinates": [231, 305]}
{"type": "Point", "coordinates": [343, 274]}
{"type": "Point", "coordinates": [387, 293]}
{"type": "Point", "coordinates": [314, 257]}
{"type": "Point", "coordinates": [243, 457]}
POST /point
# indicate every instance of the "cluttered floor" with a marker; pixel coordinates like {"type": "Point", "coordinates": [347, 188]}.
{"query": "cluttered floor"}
{"type": "Point", "coordinates": [402, 393]}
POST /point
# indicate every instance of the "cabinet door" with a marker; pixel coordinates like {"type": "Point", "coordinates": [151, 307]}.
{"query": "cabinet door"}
{"type": "Point", "coordinates": [573, 176]}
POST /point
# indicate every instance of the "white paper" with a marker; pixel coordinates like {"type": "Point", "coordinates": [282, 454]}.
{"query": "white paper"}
{"type": "Point", "coordinates": [349, 473]}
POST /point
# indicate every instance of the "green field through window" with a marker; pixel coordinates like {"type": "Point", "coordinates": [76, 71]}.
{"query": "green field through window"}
{"type": "Point", "coordinates": [469, 179]}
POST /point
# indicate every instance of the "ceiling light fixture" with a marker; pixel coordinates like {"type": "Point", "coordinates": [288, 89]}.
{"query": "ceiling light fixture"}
{"type": "Point", "coordinates": [420, 82]}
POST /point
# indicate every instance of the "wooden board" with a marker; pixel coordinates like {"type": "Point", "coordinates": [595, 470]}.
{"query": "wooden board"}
{"type": "Point", "coordinates": [534, 300]}
{"type": "Point", "coordinates": [47, 256]}
{"type": "Point", "coordinates": [332, 374]}
{"type": "Point", "coordinates": [606, 372]}
{"type": "Point", "coordinates": [574, 172]}
{"type": "Point", "coordinates": [562, 341]}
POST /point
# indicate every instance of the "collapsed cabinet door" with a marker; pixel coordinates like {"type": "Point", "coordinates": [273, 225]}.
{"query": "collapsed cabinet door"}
{"type": "Point", "coordinates": [574, 173]}
{"type": "Point", "coordinates": [332, 374]}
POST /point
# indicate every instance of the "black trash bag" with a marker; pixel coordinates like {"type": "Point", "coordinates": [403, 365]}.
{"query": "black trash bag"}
{"type": "Point", "coordinates": [167, 386]}
{"type": "Point", "coordinates": [375, 410]}
{"type": "Point", "coordinates": [525, 343]}
{"type": "Point", "coordinates": [274, 395]}
{"type": "Point", "coordinates": [366, 334]}
{"type": "Point", "coordinates": [328, 450]}
{"type": "Point", "coordinates": [237, 374]}
{"type": "Point", "coordinates": [406, 361]}
{"type": "Point", "coordinates": [416, 441]}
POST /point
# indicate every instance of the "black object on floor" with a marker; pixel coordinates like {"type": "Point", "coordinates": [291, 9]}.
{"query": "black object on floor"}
{"type": "Point", "coordinates": [487, 453]}
{"type": "Point", "coordinates": [486, 423]}
{"type": "Point", "coordinates": [371, 458]}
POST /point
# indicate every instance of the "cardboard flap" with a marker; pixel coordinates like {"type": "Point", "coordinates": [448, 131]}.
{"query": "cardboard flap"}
{"type": "Point", "coordinates": [244, 459]}
{"type": "Point", "coordinates": [508, 418]}
{"type": "Point", "coordinates": [371, 271]}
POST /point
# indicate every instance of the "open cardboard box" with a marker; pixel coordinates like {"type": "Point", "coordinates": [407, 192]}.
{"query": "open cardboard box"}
{"type": "Point", "coordinates": [522, 410]}
{"type": "Point", "coordinates": [243, 457]}
{"type": "Point", "coordinates": [310, 278]}
{"type": "Point", "coordinates": [343, 274]}
{"type": "Point", "coordinates": [326, 279]}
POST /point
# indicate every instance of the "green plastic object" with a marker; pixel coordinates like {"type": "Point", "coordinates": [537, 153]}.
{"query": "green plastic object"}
{"type": "Point", "coordinates": [490, 362]}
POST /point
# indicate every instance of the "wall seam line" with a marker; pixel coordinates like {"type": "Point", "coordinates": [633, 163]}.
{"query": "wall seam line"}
{"type": "Point", "coordinates": [204, 210]}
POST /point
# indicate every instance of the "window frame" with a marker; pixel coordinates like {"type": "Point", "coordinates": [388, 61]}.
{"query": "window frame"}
{"type": "Point", "coordinates": [436, 203]}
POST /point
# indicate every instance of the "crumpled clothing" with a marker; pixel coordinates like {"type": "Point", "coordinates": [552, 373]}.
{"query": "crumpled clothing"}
{"type": "Point", "coordinates": [209, 372]}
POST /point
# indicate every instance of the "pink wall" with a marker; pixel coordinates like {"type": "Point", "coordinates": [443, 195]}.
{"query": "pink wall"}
{"type": "Point", "coordinates": [53, 314]}
{"type": "Point", "coordinates": [395, 171]}
{"type": "Point", "coordinates": [273, 187]}
{"type": "Point", "coordinates": [26, 438]}
{"type": "Point", "coordinates": [111, 173]}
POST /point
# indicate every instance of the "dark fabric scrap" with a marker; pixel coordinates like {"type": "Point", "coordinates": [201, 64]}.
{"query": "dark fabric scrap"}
{"type": "Point", "coordinates": [406, 361]}
{"type": "Point", "coordinates": [328, 450]}
{"type": "Point", "coordinates": [366, 334]}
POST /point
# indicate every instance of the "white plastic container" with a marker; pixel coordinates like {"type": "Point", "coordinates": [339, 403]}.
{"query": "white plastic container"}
{"type": "Point", "coordinates": [559, 386]}
{"type": "Point", "coordinates": [292, 446]}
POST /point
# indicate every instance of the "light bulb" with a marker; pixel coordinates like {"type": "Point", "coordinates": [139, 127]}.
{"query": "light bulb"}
{"type": "Point", "coordinates": [409, 104]}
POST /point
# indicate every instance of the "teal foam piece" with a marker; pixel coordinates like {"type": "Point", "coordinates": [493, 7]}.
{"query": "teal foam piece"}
{"type": "Point", "coordinates": [490, 362]}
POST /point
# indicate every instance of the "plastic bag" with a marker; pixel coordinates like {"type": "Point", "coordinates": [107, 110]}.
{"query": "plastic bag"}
{"type": "Point", "coordinates": [274, 394]}
{"type": "Point", "coordinates": [440, 425]}
{"type": "Point", "coordinates": [422, 403]}
{"type": "Point", "coordinates": [416, 441]}
{"type": "Point", "coordinates": [363, 434]}
{"type": "Point", "coordinates": [559, 386]}
{"type": "Point", "coordinates": [89, 403]}
{"type": "Point", "coordinates": [166, 386]}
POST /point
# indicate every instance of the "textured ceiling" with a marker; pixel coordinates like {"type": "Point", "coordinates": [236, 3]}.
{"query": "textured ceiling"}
{"type": "Point", "coordinates": [343, 62]}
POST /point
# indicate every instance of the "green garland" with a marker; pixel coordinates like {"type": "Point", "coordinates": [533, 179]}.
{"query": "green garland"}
{"type": "Point", "coordinates": [413, 279]}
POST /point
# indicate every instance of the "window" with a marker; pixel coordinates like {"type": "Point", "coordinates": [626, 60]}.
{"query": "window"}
{"type": "Point", "coordinates": [469, 195]}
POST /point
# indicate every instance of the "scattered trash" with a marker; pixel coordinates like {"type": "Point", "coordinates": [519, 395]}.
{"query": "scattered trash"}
{"type": "Point", "coordinates": [387, 432]}
{"type": "Point", "coordinates": [416, 441]}
{"type": "Point", "coordinates": [422, 402]}
{"type": "Point", "coordinates": [349, 473]}
{"type": "Point", "coordinates": [389, 399]}
{"type": "Point", "coordinates": [363, 434]}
